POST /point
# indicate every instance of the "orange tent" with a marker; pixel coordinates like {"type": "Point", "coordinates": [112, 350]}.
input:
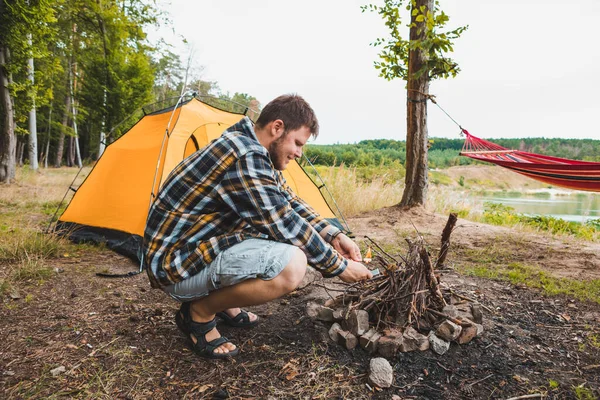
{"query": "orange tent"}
{"type": "Point", "coordinates": [111, 206]}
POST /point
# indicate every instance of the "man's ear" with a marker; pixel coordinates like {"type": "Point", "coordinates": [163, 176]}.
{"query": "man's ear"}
{"type": "Point", "coordinates": [277, 128]}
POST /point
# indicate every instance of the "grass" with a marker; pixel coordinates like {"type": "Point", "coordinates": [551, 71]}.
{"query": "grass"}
{"type": "Point", "coordinates": [25, 254]}
{"type": "Point", "coordinates": [531, 276]}
{"type": "Point", "coordinates": [583, 393]}
{"type": "Point", "coordinates": [22, 245]}
{"type": "Point", "coordinates": [27, 205]}
{"type": "Point", "coordinates": [361, 189]}
{"type": "Point", "coordinates": [356, 190]}
{"type": "Point", "coordinates": [499, 214]}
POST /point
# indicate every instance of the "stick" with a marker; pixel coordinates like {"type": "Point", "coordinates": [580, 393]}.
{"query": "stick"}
{"type": "Point", "coordinates": [471, 300]}
{"type": "Point", "coordinates": [380, 249]}
{"type": "Point", "coordinates": [433, 282]}
{"type": "Point", "coordinates": [481, 380]}
{"type": "Point", "coordinates": [463, 322]}
{"type": "Point", "coordinates": [446, 240]}
{"type": "Point", "coordinates": [527, 396]}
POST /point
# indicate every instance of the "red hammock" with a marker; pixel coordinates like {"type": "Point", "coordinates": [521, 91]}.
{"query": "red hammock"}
{"type": "Point", "coordinates": [572, 174]}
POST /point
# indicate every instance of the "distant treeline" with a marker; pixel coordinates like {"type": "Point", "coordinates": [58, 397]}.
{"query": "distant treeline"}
{"type": "Point", "coordinates": [444, 152]}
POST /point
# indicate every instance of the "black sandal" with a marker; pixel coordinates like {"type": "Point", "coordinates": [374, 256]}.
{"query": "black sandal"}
{"type": "Point", "coordinates": [183, 318]}
{"type": "Point", "coordinates": [242, 320]}
{"type": "Point", "coordinates": [198, 330]}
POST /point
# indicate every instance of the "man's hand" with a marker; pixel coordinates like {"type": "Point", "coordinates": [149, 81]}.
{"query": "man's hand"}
{"type": "Point", "coordinates": [346, 247]}
{"type": "Point", "coordinates": [355, 272]}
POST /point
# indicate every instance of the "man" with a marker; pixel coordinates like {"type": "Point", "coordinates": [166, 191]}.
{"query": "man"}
{"type": "Point", "coordinates": [226, 231]}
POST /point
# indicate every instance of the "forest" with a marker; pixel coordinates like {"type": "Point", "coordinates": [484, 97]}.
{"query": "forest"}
{"type": "Point", "coordinates": [74, 75]}
{"type": "Point", "coordinates": [444, 152]}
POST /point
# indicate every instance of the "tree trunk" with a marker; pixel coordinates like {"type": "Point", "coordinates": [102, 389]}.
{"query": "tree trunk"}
{"type": "Point", "coordinates": [71, 152]}
{"type": "Point", "coordinates": [33, 147]}
{"type": "Point", "coordinates": [416, 182]}
{"type": "Point", "coordinates": [47, 151]}
{"type": "Point", "coordinates": [20, 152]}
{"type": "Point", "coordinates": [8, 140]}
{"type": "Point", "coordinates": [101, 145]}
{"type": "Point", "coordinates": [65, 121]}
{"type": "Point", "coordinates": [75, 142]}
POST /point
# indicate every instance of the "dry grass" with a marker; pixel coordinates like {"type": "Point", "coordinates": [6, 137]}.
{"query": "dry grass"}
{"type": "Point", "coordinates": [27, 207]}
{"type": "Point", "coordinates": [355, 195]}
{"type": "Point", "coordinates": [40, 187]}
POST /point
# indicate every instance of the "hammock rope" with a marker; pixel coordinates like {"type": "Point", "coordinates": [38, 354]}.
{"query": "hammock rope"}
{"type": "Point", "coordinates": [563, 172]}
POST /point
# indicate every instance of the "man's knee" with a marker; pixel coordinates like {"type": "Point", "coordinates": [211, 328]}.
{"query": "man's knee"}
{"type": "Point", "coordinates": [294, 271]}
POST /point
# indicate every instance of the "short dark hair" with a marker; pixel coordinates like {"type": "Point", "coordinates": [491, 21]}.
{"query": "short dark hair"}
{"type": "Point", "coordinates": [293, 110]}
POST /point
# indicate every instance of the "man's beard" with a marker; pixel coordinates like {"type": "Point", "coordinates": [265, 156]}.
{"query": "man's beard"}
{"type": "Point", "coordinates": [277, 158]}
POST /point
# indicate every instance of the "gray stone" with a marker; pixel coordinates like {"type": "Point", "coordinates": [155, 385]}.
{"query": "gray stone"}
{"type": "Point", "coordinates": [438, 345]}
{"type": "Point", "coordinates": [58, 370]}
{"type": "Point", "coordinates": [312, 310]}
{"type": "Point", "coordinates": [338, 314]}
{"type": "Point", "coordinates": [347, 339]}
{"type": "Point", "coordinates": [413, 340]}
{"type": "Point", "coordinates": [467, 334]}
{"type": "Point", "coordinates": [479, 329]}
{"type": "Point", "coordinates": [334, 331]}
{"type": "Point", "coordinates": [325, 314]}
{"type": "Point", "coordinates": [465, 316]}
{"type": "Point", "coordinates": [448, 330]}
{"type": "Point", "coordinates": [358, 322]}
{"type": "Point", "coordinates": [369, 340]}
{"type": "Point", "coordinates": [380, 373]}
{"type": "Point", "coordinates": [388, 346]}
{"type": "Point", "coordinates": [477, 313]}
{"type": "Point", "coordinates": [450, 311]}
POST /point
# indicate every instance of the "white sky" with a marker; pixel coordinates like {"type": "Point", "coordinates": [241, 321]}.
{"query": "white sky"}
{"type": "Point", "coordinates": [529, 68]}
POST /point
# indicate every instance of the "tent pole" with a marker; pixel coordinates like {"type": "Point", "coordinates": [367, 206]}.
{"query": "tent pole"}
{"type": "Point", "coordinates": [328, 192]}
{"type": "Point", "coordinates": [162, 148]}
{"type": "Point", "coordinates": [63, 199]}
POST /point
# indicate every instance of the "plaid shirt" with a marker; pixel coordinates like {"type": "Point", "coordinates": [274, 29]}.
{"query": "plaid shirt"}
{"type": "Point", "coordinates": [219, 196]}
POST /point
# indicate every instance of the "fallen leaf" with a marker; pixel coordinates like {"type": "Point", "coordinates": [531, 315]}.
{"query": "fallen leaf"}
{"type": "Point", "coordinates": [565, 317]}
{"type": "Point", "coordinates": [201, 389]}
{"type": "Point", "coordinates": [520, 379]}
{"type": "Point", "coordinates": [291, 375]}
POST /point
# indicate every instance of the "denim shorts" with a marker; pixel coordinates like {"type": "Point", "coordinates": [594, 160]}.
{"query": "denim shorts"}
{"type": "Point", "coordinates": [252, 258]}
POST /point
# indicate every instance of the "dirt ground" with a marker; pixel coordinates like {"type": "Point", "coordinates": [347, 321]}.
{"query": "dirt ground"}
{"type": "Point", "coordinates": [116, 338]}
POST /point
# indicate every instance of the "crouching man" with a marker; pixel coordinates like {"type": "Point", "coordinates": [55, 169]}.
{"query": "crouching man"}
{"type": "Point", "coordinates": [226, 231]}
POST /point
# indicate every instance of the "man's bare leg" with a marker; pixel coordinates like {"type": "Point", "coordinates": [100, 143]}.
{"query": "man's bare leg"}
{"type": "Point", "coordinates": [248, 293]}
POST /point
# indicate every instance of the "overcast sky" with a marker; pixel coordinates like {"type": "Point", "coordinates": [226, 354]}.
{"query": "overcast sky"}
{"type": "Point", "coordinates": [529, 68]}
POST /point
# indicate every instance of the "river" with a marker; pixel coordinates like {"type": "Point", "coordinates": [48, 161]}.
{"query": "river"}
{"type": "Point", "coordinates": [569, 206]}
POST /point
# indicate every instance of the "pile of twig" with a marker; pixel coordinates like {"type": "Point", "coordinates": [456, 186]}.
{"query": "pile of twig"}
{"type": "Point", "coordinates": [407, 292]}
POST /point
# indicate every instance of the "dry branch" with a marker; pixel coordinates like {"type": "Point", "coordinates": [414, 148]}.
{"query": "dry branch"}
{"type": "Point", "coordinates": [408, 289]}
{"type": "Point", "coordinates": [446, 240]}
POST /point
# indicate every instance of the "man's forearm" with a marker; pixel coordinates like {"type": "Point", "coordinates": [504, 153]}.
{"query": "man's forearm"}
{"type": "Point", "coordinates": [329, 233]}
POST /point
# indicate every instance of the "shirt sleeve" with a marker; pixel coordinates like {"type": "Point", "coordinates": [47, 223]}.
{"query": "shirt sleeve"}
{"type": "Point", "coordinates": [251, 189]}
{"type": "Point", "coordinates": [304, 209]}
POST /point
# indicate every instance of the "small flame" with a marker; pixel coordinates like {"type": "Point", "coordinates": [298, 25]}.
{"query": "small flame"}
{"type": "Point", "coordinates": [368, 257]}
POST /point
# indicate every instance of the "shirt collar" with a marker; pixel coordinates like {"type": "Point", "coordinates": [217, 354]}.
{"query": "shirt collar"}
{"type": "Point", "coordinates": [245, 127]}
